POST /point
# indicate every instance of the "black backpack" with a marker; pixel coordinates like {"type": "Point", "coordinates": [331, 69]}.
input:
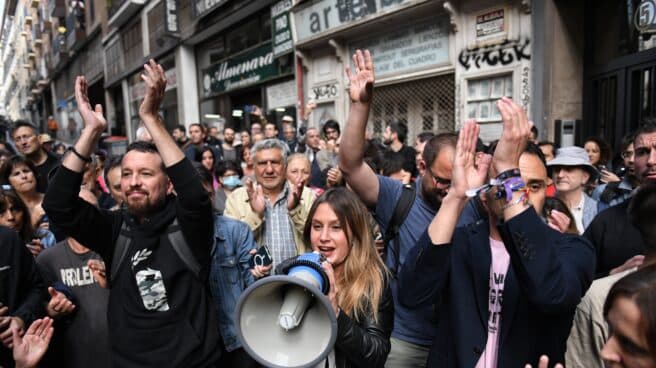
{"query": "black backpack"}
{"type": "Point", "coordinates": [173, 235]}
{"type": "Point", "coordinates": [391, 237]}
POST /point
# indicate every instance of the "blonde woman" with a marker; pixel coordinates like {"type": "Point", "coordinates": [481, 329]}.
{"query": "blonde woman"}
{"type": "Point", "coordinates": [337, 227]}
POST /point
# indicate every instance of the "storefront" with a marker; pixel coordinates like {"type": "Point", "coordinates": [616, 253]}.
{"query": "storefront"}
{"type": "Point", "coordinates": [238, 74]}
{"type": "Point", "coordinates": [411, 45]}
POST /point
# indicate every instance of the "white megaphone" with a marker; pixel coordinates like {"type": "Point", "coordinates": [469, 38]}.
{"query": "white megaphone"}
{"type": "Point", "coordinates": [286, 320]}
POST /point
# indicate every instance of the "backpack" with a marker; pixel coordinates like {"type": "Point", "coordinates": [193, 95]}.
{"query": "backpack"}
{"type": "Point", "coordinates": [391, 237]}
{"type": "Point", "coordinates": [173, 235]}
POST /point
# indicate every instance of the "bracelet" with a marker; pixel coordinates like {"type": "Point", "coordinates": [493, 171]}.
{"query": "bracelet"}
{"type": "Point", "coordinates": [76, 153]}
{"type": "Point", "coordinates": [511, 173]}
{"type": "Point", "coordinates": [507, 187]}
{"type": "Point", "coordinates": [519, 200]}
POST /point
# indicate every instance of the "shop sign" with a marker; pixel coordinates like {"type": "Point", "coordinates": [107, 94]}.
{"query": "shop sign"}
{"type": "Point", "coordinates": [281, 94]}
{"type": "Point", "coordinates": [420, 46]}
{"type": "Point", "coordinates": [202, 7]}
{"type": "Point", "coordinates": [490, 24]}
{"type": "Point", "coordinates": [645, 17]}
{"type": "Point", "coordinates": [324, 92]}
{"type": "Point", "coordinates": [281, 30]}
{"type": "Point", "coordinates": [171, 16]}
{"type": "Point", "coordinates": [245, 70]}
{"type": "Point", "coordinates": [327, 15]}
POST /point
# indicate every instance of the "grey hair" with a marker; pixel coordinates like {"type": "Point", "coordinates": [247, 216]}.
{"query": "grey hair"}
{"type": "Point", "coordinates": [272, 143]}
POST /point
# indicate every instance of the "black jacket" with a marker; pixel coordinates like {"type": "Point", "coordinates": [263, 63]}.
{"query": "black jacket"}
{"type": "Point", "coordinates": [365, 343]}
{"type": "Point", "coordinates": [159, 313]}
{"type": "Point", "coordinates": [21, 287]}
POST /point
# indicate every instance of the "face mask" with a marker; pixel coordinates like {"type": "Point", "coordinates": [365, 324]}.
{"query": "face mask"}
{"type": "Point", "coordinates": [231, 182]}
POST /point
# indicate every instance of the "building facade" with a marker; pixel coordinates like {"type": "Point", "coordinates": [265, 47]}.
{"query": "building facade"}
{"type": "Point", "coordinates": [579, 67]}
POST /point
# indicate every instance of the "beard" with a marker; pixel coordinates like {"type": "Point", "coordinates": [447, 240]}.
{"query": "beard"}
{"type": "Point", "coordinates": [431, 195]}
{"type": "Point", "coordinates": [143, 206]}
{"type": "Point", "coordinates": [387, 141]}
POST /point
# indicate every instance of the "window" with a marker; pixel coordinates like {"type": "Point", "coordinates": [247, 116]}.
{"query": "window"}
{"type": "Point", "coordinates": [156, 26]}
{"type": "Point", "coordinates": [113, 60]}
{"type": "Point", "coordinates": [482, 95]}
{"type": "Point", "coordinates": [132, 44]}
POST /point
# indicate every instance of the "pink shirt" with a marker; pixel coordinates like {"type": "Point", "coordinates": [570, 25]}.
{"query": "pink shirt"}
{"type": "Point", "coordinates": [498, 270]}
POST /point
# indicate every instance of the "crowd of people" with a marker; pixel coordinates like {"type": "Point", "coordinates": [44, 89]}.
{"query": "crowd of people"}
{"type": "Point", "coordinates": [450, 252]}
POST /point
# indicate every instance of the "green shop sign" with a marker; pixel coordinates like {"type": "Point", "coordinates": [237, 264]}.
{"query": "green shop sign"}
{"type": "Point", "coordinates": [247, 69]}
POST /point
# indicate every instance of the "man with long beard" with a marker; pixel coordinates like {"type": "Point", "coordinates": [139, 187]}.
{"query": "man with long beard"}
{"type": "Point", "coordinates": [158, 251]}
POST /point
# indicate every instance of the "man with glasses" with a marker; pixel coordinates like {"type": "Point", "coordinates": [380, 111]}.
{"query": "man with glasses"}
{"type": "Point", "coordinates": [618, 243]}
{"type": "Point", "coordinates": [498, 281]}
{"type": "Point", "coordinates": [274, 210]}
{"type": "Point", "coordinates": [27, 142]}
{"type": "Point", "coordinates": [414, 329]}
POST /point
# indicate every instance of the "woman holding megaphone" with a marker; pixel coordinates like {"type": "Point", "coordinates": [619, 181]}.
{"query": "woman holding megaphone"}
{"type": "Point", "coordinates": [360, 296]}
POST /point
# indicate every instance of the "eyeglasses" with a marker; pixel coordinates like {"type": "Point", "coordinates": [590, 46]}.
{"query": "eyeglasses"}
{"type": "Point", "coordinates": [627, 154]}
{"type": "Point", "coordinates": [22, 138]}
{"type": "Point", "coordinates": [438, 180]}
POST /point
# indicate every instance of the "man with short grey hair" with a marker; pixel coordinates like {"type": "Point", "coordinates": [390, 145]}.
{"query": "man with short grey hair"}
{"type": "Point", "coordinates": [274, 210]}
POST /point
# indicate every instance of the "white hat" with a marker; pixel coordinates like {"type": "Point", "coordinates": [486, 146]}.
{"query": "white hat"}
{"type": "Point", "coordinates": [573, 156]}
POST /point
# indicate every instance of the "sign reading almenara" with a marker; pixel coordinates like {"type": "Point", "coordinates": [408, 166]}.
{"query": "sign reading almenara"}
{"type": "Point", "coordinates": [253, 67]}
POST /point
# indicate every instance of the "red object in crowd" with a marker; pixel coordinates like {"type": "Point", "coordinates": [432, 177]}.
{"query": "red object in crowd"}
{"type": "Point", "coordinates": [551, 190]}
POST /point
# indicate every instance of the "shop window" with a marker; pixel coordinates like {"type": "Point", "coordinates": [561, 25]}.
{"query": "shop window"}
{"type": "Point", "coordinates": [244, 36]}
{"type": "Point", "coordinates": [482, 95]}
{"type": "Point", "coordinates": [424, 105]}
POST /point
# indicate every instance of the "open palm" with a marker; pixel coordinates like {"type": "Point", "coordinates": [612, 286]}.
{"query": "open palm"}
{"type": "Point", "coordinates": [92, 117]}
{"type": "Point", "coordinates": [362, 79]}
{"type": "Point", "coordinates": [29, 349]}
{"type": "Point", "coordinates": [466, 173]}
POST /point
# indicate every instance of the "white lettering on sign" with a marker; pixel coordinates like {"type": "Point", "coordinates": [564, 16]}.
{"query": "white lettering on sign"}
{"type": "Point", "coordinates": [325, 15]}
{"type": "Point", "coordinates": [224, 72]}
{"type": "Point", "coordinates": [326, 91]}
{"type": "Point", "coordinates": [422, 45]}
{"type": "Point", "coordinates": [171, 16]}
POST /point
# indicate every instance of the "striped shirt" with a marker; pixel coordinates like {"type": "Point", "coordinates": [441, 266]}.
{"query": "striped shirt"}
{"type": "Point", "coordinates": [278, 233]}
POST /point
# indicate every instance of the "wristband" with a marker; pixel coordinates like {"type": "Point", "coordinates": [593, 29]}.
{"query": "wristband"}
{"type": "Point", "coordinates": [511, 173]}
{"type": "Point", "coordinates": [76, 153]}
{"type": "Point", "coordinates": [509, 186]}
{"type": "Point", "coordinates": [521, 199]}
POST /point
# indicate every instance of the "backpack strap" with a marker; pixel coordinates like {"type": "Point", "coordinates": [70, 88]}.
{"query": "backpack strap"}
{"type": "Point", "coordinates": [401, 211]}
{"type": "Point", "coordinates": [173, 236]}
{"type": "Point", "coordinates": [121, 248]}
{"type": "Point", "coordinates": [179, 244]}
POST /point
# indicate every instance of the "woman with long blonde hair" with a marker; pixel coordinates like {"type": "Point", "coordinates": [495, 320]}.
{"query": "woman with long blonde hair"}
{"type": "Point", "coordinates": [337, 227]}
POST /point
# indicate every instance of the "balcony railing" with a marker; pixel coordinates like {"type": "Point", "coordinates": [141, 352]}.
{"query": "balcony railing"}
{"type": "Point", "coordinates": [75, 33]}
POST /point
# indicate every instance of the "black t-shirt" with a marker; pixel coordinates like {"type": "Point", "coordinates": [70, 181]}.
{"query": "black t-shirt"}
{"type": "Point", "coordinates": [43, 170]}
{"type": "Point", "coordinates": [614, 237]}
{"type": "Point", "coordinates": [408, 153]}
{"type": "Point", "coordinates": [80, 340]}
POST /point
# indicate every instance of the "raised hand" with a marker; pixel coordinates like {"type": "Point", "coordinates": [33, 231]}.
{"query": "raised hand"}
{"type": "Point", "coordinates": [29, 349]}
{"type": "Point", "coordinates": [255, 197]}
{"type": "Point", "coordinates": [295, 193]}
{"type": "Point", "coordinates": [35, 247]}
{"type": "Point", "coordinates": [93, 118]}
{"type": "Point", "coordinates": [362, 78]}
{"type": "Point", "coordinates": [515, 135]}
{"type": "Point", "coordinates": [467, 173]}
{"type": "Point", "coordinates": [58, 305]}
{"type": "Point", "coordinates": [155, 80]}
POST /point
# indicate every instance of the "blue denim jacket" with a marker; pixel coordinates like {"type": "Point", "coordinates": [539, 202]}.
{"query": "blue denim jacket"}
{"type": "Point", "coordinates": [230, 273]}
